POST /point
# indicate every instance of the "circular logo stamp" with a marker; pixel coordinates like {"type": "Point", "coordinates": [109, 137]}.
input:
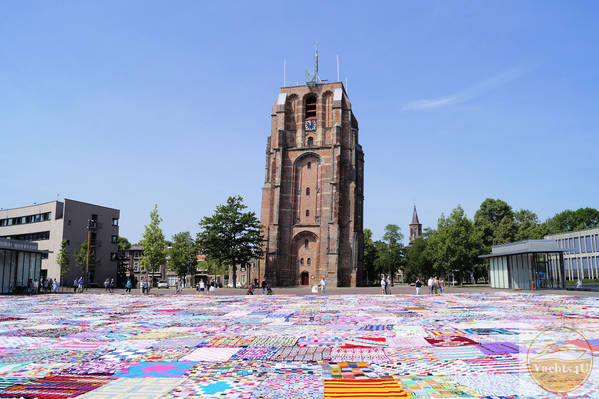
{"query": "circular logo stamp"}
{"type": "Point", "coordinates": [560, 359]}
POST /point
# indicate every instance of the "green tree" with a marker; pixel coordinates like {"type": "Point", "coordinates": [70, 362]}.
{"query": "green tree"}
{"type": "Point", "coordinates": [63, 259]}
{"type": "Point", "coordinates": [123, 243]}
{"type": "Point", "coordinates": [213, 267]}
{"type": "Point", "coordinates": [528, 226]}
{"type": "Point", "coordinates": [419, 263]}
{"type": "Point", "coordinates": [370, 255]}
{"type": "Point", "coordinates": [505, 232]}
{"type": "Point", "coordinates": [487, 221]}
{"type": "Point", "coordinates": [454, 246]}
{"type": "Point", "coordinates": [382, 261]}
{"type": "Point", "coordinates": [395, 248]}
{"type": "Point", "coordinates": [154, 244]}
{"type": "Point", "coordinates": [183, 254]}
{"type": "Point", "coordinates": [231, 236]}
{"type": "Point", "coordinates": [568, 220]}
{"type": "Point", "coordinates": [81, 258]}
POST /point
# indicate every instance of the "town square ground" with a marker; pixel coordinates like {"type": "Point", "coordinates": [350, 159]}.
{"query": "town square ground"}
{"type": "Point", "coordinates": [348, 343]}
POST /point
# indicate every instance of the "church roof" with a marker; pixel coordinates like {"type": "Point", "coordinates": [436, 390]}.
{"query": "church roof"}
{"type": "Point", "coordinates": [415, 217]}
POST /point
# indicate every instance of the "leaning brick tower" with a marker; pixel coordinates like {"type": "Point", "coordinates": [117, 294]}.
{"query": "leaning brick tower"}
{"type": "Point", "coordinates": [313, 194]}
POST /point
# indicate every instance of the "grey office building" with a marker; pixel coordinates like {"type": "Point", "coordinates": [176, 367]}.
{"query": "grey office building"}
{"type": "Point", "coordinates": [49, 223]}
{"type": "Point", "coordinates": [581, 255]}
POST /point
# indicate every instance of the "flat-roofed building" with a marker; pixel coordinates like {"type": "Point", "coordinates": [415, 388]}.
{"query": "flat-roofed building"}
{"type": "Point", "coordinates": [49, 223]}
{"type": "Point", "coordinates": [581, 252]}
{"type": "Point", "coordinates": [20, 263]}
{"type": "Point", "coordinates": [528, 265]}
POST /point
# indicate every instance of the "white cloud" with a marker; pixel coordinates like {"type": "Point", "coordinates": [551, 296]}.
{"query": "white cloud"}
{"type": "Point", "coordinates": [469, 93]}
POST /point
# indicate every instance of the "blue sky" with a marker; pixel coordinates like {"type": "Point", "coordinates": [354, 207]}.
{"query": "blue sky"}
{"type": "Point", "coordinates": [127, 104]}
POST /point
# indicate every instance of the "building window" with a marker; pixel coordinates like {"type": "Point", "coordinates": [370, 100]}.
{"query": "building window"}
{"type": "Point", "coordinates": [69, 222]}
{"type": "Point", "coordinates": [308, 191]}
{"type": "Point", "coordinates": [310, 141]}
{"type": "Point", "coordinates": [115, 222]}
{"type": "Point", "coordinates": [94, 218]}
{"type": "Point", "coordinates": [114, 239]}
{"type": "Point", "coordinates": [306, 243]}
{"type": "Point", "coordinates": [307, 212]}
{"type": "Point", "coordinates": [113, 256]}
{"type": "Point", "coordinates": [309, 261]}
{"type": "Point", "coordinates": [311, 107]}
{"type": "Point", "coordinates": [309, 165]}
{"type": "Point", "coordinates": [68, 242]}
{"type": "Point", "coordinates": [45, 256]}
{"type": "Point", "coordinates": [301, 261]}
{"type": "Point", "coordinates": [576, 247]}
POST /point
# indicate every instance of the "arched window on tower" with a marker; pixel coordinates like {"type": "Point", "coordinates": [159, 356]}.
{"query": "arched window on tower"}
{"type": "Point", "coordinates": [310, 112]}
{"type": "Point", "coordinates": [306, 243]}
{"type": "Point", "coordinates": [310, 141]}
{"type": "Point", "coordinates": [307, 212]}
{"type": "Point", "coordinates": [309, 165]}
{"type": "Point", "coordinates": [309, 261]}
{"type": "Point", "coordinates": [308, 191]}
{"type": "Point", "coordinates": [301, 261]}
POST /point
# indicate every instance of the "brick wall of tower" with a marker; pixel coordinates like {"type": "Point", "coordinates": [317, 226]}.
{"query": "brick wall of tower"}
{"type": "Point", "coordinates": [312, 199]}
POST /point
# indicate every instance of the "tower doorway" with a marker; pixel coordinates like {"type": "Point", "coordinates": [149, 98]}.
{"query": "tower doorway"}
{"type": "Point", "coordinates": [305, 278]}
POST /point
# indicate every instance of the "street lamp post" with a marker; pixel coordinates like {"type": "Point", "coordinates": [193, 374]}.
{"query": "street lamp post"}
{"type": "Point", "coordinates": [91, 224]}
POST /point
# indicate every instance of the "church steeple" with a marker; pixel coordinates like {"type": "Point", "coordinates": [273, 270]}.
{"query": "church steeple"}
{"type": "Point", "coordinates": [415, 227]}
{"type": "Point", "coordinates": [415, 216]}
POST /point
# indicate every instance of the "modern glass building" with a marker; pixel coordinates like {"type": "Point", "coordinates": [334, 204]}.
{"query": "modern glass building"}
{"type": "Point", "coordinates": [528, 265]}
{"type": "Point", "coordinates": [20, 263]}
{"type": "Point", "coordinates": [581, 253]}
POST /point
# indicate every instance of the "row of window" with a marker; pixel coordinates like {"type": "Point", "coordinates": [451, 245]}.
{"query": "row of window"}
{"type": "Point", "coordinates": [584, 244]}
{"type": "Point", "coordinates": [585, 262]}
{"type": "Point", "coordinates": [40, 217]}
{"type": "Point", "coordinates": [39, 236]}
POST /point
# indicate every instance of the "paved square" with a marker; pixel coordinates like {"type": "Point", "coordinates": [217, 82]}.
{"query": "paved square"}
{"type": "Point", "coordinates": [117, 346]}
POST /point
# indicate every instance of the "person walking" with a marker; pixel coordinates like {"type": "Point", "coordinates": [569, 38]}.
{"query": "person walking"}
{"type": "Point", "coordinates": [111, 285]}
{"type": "Point", "coordinates": [202, 286]}
{"type": "Point", "coordinates": [106, 282]}
{"type": "Point", "coordinates": [128, 286]}
{"type": "Point", "coordinates": [430, 285]}
{"type": "Point", "coordinates": [75, 286]}
{"type": "Point", "coordinates": [441, 285]}
{"type": "Point", "coordinates": [436, 285]}
{"type": "Point", "coordinates": [323, 284]}
{"type": "Point", "coordinates": [388, 285]}
{"type": "Point", "coordinates": [383, 285]}
{"type": "Point", "coordinates": [418, 285]}
{"type": "Point", "coordinates": [263, 286]}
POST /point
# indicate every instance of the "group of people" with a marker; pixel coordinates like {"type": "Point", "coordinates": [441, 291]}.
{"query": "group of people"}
{"type": "Point", "coordinates": [320, 288]}
{"type": "Point", "coordinates": [144, 285]}
{"type": "Point", "coordinates": [109, 285]}
{"type": "Point", "coordinates": [266, 289]}
{"type": "Point", "coordinates": [435, 285]}
{"type": "Point", "coordinates": [385, 285]}
{"type": "Point", "coordinates": [49, 285]}
{"type": "Point", "coordinates": [45, 286]}
{"type": "Point", "coordinates": [202, 287]}
{"type": "Point", "coordinates": [78, 285]}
